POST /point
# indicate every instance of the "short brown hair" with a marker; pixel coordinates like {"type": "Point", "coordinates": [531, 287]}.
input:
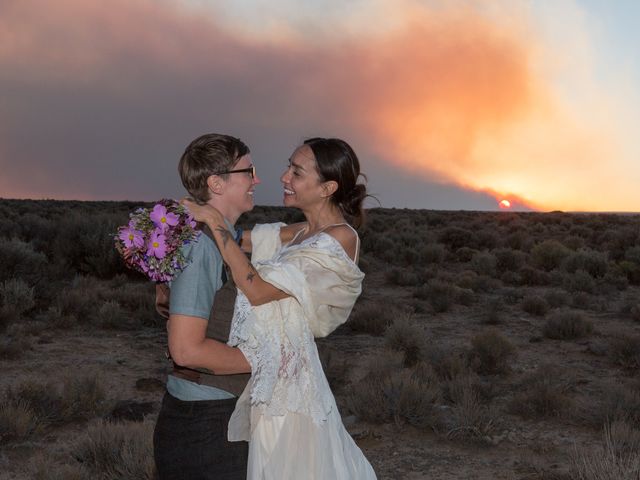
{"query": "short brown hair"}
{"type": "Point", "coordinates": [208, 155]}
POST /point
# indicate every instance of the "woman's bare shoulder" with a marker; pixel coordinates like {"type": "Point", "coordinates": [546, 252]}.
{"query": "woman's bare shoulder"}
{"type": "Point", "coordinates": [347, 237]}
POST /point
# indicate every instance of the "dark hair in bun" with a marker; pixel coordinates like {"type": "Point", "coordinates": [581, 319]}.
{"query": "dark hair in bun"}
{"type": "Point", "coordinates": [336, 160]}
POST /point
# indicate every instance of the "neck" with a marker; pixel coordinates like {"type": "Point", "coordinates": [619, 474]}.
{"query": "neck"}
{"type": "Point", "coordinates": [227, 212]}
{"type": "Point", "coordinates": [323, 215]}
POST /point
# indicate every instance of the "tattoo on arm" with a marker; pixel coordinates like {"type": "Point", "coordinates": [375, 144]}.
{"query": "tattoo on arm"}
{"type": "Point", "coordinates": [251, 273]}
{"type": "Point", "coordinates": [224, 233]}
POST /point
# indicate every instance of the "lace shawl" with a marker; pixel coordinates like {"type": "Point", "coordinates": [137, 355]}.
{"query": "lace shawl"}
{"type": "Point", "coordinates": [277, 338]}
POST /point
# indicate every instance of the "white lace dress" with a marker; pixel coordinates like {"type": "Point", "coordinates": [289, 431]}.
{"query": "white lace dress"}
{"type": "Point", "coordinates": [287, 412]}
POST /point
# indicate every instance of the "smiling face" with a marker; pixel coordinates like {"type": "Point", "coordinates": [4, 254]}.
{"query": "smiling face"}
{"type": "Point", "coordinates": [302, 185]}
{"type": "Point", "coordinates": [238, 189]}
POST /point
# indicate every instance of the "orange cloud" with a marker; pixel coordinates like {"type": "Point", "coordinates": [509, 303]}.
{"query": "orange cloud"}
{"type": "Point", "coordinates": [473, 94]}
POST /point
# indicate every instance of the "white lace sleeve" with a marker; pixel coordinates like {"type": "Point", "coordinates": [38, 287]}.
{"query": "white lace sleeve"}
{"type": "Point", "coordinates": [286, 373]}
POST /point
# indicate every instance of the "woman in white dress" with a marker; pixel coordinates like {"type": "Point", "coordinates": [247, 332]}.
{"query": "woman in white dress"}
{"type": "Point", "coordinates": [288, 294]}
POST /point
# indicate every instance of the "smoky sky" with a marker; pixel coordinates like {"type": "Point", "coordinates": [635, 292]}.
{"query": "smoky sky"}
{"type": "Point", "coordinates": [98, 100]}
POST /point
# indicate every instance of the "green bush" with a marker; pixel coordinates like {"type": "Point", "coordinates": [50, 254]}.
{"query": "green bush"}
{"type": "Point", "coordinates": [590, 261]}
{"type": "Point", "coordinates": [549, 254]}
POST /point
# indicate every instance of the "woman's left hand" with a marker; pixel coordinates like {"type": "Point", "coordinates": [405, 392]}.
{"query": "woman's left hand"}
{"type": "Point", "coordinates": [202, 213]}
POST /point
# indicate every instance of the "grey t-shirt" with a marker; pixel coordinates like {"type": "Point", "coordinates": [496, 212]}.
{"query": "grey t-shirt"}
{"type": "Point", "coordinates": [192, 293]}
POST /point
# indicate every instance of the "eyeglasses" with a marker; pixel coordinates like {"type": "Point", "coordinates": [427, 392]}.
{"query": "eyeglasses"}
{"type": "Point", "coordinates": [251, 171]}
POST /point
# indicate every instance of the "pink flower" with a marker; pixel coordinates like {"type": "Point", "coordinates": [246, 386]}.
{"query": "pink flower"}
{"type": "Point", "coordinates": [157, 246]}
{"type": "Point", "coordinates": [131, 237]}
{"type": "Point", "coordinates": [163, 219]}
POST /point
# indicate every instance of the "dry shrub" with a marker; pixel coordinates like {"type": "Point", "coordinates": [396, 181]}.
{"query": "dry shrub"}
{"type": "Point", "coordinates": [631, 306]}
{"type": "Point", "coordinates": [45, 468]}
{"type": "Point", "coordinates": [465, 254]}
{"type": "Point", "coordinates": [494, 312]}
{"type": "Point", "coordinates": [390, 393]}
{"type": "Point", "coordinates": [53, 317]}
{"type": "Point", "coordinates": [556, 298]}
{"type": "Point", "coordinates": [122, 451]}
{"type": "Point", "coordinates": [619, 403]}
{"type": "Point", "coordinates": [407, 336]}
{"type": "Point", "coordinates": [112, 315]}
{"type": "Point", "coordinates": [508, 260]}
{"type": "Point", "coordinates": [445, 361]}
{"type": "Point", "coordinates": [484, 263]}
{"type": "Point", "coordinates": [544, 393]}
{"type": "Point", "coordinates": [535, 305]}
{"type": "Point", "coordinates": [625, 350]}
{"type": "Point", "coordinates": [73, 399]}
{"type": "Point", "coordinates": [532, 276]}
{"type": "Point", "coordinates": [13, 348]}
{"type": "Point", "coordinates": [137, 299]}
{"type": "Point", "coordinates": [432, 253]}
{"type": "Point", "coordinates": [20, 260]}
{"type": "Point", "coordinates": [81, 298]}
{"type": "Point", "coordinates": [610, 461]}
{"type": "Point", "coordinates": [469, 418]}
{"type": "Point", "coordinates": [567, 325]}
{"type": "Point", "coordinates": [334, 367]}
{"type": "Point", "coordinates": [373, 317]}
{"type": "Point", "coordinates": [441, 295]}
{"type": "Point", "coordinates": [18, 421]}
{"type": "Point", "coordinates": [16, 295]}
{"type": "Point", "coordinates": [402, 277]}
{"type": "Point", "coordinates": [580, 281]}
{"type": "Point", "coordinates": [454, 388]}
{"type": "Point", "coordinates": [491, 353]}
{"type": "Point", "coordinates": [625, 438]}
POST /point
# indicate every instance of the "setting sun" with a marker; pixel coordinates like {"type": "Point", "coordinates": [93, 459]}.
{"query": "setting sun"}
{"type": "Point", "coordinates": [505, 204]}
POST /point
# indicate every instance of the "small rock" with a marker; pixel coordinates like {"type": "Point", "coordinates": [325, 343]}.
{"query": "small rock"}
{"type": "Point", "coordinates": [350, 420]}
{"type": "Point", "coordinates": [359, 434]}
{"type": "Point", "coordinates": [598, 349]}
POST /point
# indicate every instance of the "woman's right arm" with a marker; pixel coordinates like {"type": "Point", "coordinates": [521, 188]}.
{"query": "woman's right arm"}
{"type": "Point", "coordinates": [287, 232]}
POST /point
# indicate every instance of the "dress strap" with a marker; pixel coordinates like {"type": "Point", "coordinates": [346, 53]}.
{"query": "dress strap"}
{"type": "Point", "coordinates": [355, 260]}
{"type": "Point", "coordinates": [295, 237]}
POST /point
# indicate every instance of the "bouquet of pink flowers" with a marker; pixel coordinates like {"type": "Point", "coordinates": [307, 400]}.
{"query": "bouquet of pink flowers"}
{"type": "Point", "coordinates": [151, 242]}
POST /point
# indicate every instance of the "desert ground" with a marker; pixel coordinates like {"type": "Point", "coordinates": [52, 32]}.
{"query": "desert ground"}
{"type": "Point", "coordinates": [485, 345]}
